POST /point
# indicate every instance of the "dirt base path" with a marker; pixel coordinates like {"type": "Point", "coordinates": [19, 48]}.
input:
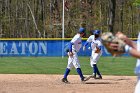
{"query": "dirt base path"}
{"type": "Point", "coordinates": [33, 83]}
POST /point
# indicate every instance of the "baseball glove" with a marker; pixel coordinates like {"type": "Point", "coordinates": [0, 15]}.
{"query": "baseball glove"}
{"type": "Point", "coordinates": [108, 38]}
{"type": "Point", "coordinates": [97, 50]}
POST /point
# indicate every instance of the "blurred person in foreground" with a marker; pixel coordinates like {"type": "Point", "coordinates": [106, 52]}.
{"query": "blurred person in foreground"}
{"type": "Point", "coordinates": [134, 50]}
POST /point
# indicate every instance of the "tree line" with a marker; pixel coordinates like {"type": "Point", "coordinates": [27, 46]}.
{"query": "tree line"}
{"type": "Point", "coordinates": [43, 18]}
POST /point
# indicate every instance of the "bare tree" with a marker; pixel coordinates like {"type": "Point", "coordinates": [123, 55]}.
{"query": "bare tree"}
{"type": "Point", "coordinates": [42, 18]}
{"type": "Point", "coordinates": [112, 15]}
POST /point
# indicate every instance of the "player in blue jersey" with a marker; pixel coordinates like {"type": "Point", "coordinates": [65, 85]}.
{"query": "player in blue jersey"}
{"type": "Point", "coordinates": [96, 46]}
{"type": "Point", "coordinates": [73, 61]}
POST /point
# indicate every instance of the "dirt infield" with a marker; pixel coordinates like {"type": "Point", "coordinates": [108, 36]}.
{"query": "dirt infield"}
{"type": "Point", "coordinates": [33, 83]}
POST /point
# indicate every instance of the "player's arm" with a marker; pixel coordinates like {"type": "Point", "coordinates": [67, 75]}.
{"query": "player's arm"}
{"type": "Point", "coordinates": [131, 46]}
{"type": "Point", "coordinates": [128, 49]}
{"type": "Point", "coordinates": [98, 48]}
{"type": "Point", "coordinates": [134, 53]}
{"type": "Point", "coordinates": [126, 40]}
{"type": "Point", "coordinates": [131, 43]}
{"type": "Point", "coordinates": [84, 47]}
{"type": "Point", "coordinates": [70, 49]}
{"type": "Point", "coordinates": [71, 44]}
{"type": "Point", "coordinates": [87, 42]}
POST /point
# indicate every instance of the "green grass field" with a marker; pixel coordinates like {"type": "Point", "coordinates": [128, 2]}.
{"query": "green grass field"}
{"type": "Point", "coordinates": [57, 65]}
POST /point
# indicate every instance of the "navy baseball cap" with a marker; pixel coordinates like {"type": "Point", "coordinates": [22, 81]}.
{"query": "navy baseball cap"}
{"type": "Point", "coordinates": [82, 30]}
{"type": "Point", "coordinates": [97, 32]}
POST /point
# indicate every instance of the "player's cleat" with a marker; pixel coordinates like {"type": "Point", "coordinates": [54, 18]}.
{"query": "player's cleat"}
{"type": "Point", "coordinates": [65, 80]}
{"type": "Point", "coordinates": [85, 79]}
{"type": "Point", "coordinates": [100, 77]}
{"type": "Point", "coordinates": [93, 76]}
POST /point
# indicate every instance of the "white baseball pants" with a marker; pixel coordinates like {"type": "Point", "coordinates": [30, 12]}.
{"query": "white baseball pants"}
{"type": "Point", "coordinates": [94, 58]}
{"type": "Point", "coordinates": [73, 61]}
{"type": "Point", "coordinates": [137, 88]}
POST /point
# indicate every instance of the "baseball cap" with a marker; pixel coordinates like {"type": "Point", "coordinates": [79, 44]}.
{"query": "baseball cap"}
{"type": "Point", "coordinates": [82, 30]}
{"type": "Point", "coordinates": [97, 32]}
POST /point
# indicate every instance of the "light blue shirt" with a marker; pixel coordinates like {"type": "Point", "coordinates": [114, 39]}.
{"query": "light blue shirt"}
{"type": "Point", "coordinates": [137, 69]}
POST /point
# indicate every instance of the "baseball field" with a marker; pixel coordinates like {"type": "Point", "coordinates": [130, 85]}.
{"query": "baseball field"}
{"type": "Point", "coordinates": [43, 75]}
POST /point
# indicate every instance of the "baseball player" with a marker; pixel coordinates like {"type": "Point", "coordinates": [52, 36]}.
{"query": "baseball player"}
{"type": "Point", "coordinates": [96, 45]}
{"type": "Point", "coordinates": [74, 47]}
{"type": "Point", "coordinates": [134, 50]}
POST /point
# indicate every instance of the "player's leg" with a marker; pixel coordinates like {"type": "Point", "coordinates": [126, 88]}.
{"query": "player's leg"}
{"type": "Point", "coordinates": [91, 64]}
{"type": "Point", "coordinates": [93, 61]}
{"type": "Point", "coordinates": [77, 66]}
{"type": "Point", "coordinates": [67, 71]}
{"type": "Point", "coordinates": [97, 71]}
{"type": "Point", "coordinates": [95, 58]}
{"type": "Point", "coordinates": [64, 79]}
